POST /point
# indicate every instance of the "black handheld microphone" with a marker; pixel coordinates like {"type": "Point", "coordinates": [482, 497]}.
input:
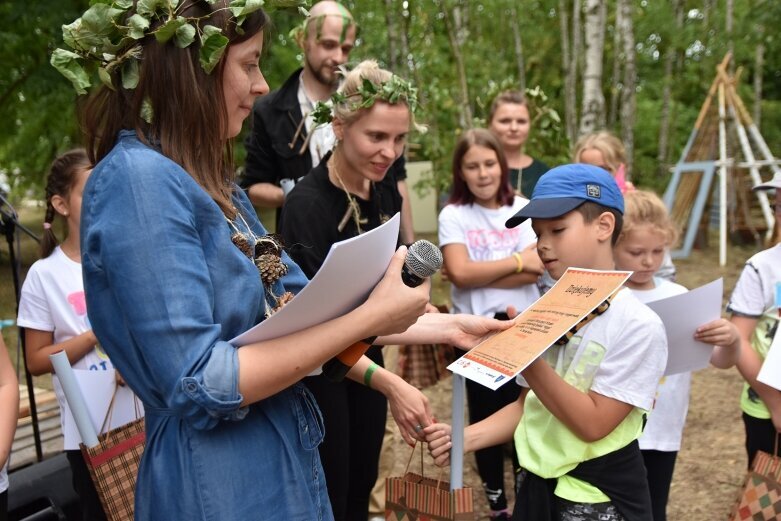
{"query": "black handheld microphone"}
{"type": "Point", "coordinates": [422, 261]}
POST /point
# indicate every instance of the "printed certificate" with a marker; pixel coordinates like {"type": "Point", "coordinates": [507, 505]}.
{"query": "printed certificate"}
{"type": "Point", "coordinates": [497, 360]}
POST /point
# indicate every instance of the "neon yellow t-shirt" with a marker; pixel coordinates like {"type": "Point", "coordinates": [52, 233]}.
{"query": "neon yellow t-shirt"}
{"type": "Point", "coordinates": [620, 354]}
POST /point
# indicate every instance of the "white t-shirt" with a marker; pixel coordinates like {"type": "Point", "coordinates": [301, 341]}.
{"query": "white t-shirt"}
{"type": "Point", "coordinates": [754, 296]}
{"type": "Point", "coordinates": [664, 428]}
{"type": "Point", "coordinates": [754, 293]}
{"type": "Point", "coordinates": [322, 139]}
{"type": "Point", "coordinates": [53, 300]}
{"type": "Point", "coordinates": [486, 238]}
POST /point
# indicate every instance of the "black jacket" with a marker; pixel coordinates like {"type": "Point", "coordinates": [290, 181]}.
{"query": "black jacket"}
{"type": "Point", "coordinates": [270, 156]}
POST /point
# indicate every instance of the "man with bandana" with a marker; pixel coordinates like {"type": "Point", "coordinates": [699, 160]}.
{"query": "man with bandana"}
{"type": "Point", "coordinates": [283, 146]}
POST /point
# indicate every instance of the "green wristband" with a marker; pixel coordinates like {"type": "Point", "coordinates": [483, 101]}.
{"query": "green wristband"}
{"type": "Point", "coordinates": [367, 376]}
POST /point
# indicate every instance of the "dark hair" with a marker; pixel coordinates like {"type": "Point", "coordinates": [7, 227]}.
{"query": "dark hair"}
{"type": "Point", "coordinates": [63, 173]}
{"type": "Point", "coordinates": [188, 113]}
{"type": "Point", "coordinates": [591, 210]}
{"type": "Point", "coordinates": [514, 97]}
{"type": "Point", "coordinates": [483, 138]}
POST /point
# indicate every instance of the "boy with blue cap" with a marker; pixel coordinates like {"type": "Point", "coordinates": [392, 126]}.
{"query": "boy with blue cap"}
{"type": "Point", "coordinates": [577, 421]}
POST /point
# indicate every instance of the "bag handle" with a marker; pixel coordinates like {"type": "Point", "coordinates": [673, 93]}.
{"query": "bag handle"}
{"type": "Point", "coordinates": [110, 410]}
{"type": "Point", "coordinates": [422, 468]}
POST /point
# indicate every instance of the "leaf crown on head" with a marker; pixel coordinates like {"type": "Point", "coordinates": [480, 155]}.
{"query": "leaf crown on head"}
{"type": "Point", "coordinates": [107, 37]}
{"type": "Point", "coordinates": [393, 91]}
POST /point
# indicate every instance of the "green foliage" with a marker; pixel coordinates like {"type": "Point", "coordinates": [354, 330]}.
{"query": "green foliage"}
{"type": "Point", "coordinates": [37, 117]}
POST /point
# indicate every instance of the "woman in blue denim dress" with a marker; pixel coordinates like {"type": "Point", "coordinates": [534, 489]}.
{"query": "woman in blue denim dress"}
{"type": "Point", "coordinates": [172, 251]}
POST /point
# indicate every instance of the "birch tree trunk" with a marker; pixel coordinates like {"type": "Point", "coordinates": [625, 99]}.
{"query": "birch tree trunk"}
{"type": "Point", "coordinates": [662, 152]}
{"type": "Point", "coordinates": [455, 34]}
{"type": "Point", "coordinates": [759, 65]}
{"type": "Point", "coordinates": [615, 80]}
{"type": "Point", "coordinates": [628, 91]}
{"type": "Point", "coordinates": [569, 73]}
{"type": "Point", "coordinates": [593, 112]}
{"type": "Point", "coordinates": [728, 27]}
{"type": "Point", "coordinates": [518, 49]}
{"type": "Point", "coordinates": [393, 37]}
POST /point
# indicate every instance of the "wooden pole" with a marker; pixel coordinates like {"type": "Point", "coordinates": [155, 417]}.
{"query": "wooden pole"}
{"type": "Point", "coordinates": [722, 178]}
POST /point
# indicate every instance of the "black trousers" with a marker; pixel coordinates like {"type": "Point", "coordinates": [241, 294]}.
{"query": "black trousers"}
{"type": "Point", "coordinates": [91, 509]}
{"type": "Point", "coordinates": [4, 505]}
{"type": "Point", "coordinates": [760, 435]}
{"type": "Point", "coordinates": [483, 402]}
{"type": "Point", "coordinates": [659, 466]}
{"type": "Point", "coordinates": [354, 418]}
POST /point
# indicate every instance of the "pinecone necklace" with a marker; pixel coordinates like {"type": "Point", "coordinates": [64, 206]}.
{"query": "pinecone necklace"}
{"type": "Point", "coordinates": [266, 253]}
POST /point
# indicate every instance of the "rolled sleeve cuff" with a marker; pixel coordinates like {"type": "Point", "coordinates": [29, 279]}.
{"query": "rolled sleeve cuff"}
{"type": "Point", "coordinates": [215, 391]}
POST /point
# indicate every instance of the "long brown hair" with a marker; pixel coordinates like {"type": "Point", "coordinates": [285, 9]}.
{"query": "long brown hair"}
{"type": "Point", "coordinates": [483, 138]}
{"type": "Point", "coordinates": [63, 174]}
{"type": "Point", "coordinates": [188, 114]}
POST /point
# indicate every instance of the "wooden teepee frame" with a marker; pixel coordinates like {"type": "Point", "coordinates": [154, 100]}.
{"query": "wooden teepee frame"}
{"type": "Point", "coordinates": [711, 149]}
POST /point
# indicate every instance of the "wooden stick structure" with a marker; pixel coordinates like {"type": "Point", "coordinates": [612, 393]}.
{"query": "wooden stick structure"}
{"type": "Point", "coordinates": [724, 142]}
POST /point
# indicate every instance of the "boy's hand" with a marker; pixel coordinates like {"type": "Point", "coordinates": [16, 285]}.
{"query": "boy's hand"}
{"type": "Point", "coordinates": [720, 332]}
{"type": "Point", "coordinates": [439, 442]}
{"type": "Point", "coordinates": [724, 335]}
{"type": "Point", "coordinates": [775, 416]}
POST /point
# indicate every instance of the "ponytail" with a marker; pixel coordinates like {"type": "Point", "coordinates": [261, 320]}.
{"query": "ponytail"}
{"type": "Point", "coordinates": [62, 176]}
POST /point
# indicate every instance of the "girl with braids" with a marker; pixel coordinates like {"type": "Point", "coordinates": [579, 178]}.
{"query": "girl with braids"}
{"type": "Point", "coordinates": [347, 194]}
{"type": "Point", "coordinates": [53, 309]}
{"type": "Point", "coordinates": [176, 264]}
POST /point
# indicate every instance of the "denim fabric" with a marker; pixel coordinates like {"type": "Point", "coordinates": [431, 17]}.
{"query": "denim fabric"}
{"type": "Point", "coordinates": [165, 290]}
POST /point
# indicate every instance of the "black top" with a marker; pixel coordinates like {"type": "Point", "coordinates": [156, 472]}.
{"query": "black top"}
{"type": "Point", "coordinates": [528, 178]}
{"type": "Point", "coordinates": [315, 207]}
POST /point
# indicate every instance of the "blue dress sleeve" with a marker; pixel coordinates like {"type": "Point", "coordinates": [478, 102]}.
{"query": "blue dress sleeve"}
{"type": "Point", "coordinates": [156, 268]}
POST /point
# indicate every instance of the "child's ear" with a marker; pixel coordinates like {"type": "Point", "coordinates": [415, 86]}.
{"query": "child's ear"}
{"type": "Point", "coordinates": [60, 205]}
{"type": "Point", "coordinates": [606, 223]}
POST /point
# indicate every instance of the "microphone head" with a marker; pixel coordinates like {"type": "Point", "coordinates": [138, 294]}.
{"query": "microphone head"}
{"type": "Point", "coordinates": [423, 259]}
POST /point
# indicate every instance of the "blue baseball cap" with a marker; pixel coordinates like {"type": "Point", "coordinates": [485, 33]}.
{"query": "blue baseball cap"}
{"type": "Point", "coordinates": [564, 188]}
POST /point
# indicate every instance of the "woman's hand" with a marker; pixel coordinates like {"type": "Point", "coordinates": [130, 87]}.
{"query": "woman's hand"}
{"type": "Point", "coordinates": [394, 305]}
{"type": "Point", "coordinates": [439, 442]}
{"type": "Point", "coordinates": [410, 409]}
{"type": "Point", "coordinates": [466, 331]}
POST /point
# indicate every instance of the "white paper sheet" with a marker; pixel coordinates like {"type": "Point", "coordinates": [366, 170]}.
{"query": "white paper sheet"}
{"type": "Point", "coordinates": [349, 273]}
{"type": "Point", "coordinates": [770, 373]}
{"type": "Point", "coordinates": [682, 315]}
{"type": "Point", "coordinates": [99, 386]}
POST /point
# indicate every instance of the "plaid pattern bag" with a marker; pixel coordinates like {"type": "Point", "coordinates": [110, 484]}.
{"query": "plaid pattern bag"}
{"type": "Point", "coordinates": [760, 497]}
{"type": "Point", "coordinates": [113, 466]}
{"type": "Point", "coordinates": [414, 497]}
{"type": "Point", "coordinates": [423, 365]}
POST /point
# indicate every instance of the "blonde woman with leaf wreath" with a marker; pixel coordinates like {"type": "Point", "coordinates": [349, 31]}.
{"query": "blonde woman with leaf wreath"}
{"type": "Point", "coordinates": [176, 264]}
{"type": "Point", "coordinates": [347, 194]}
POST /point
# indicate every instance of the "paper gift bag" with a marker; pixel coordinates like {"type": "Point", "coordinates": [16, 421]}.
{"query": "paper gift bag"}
{"type": "Point", "coordinates": [760, 497]}
{"type": "Point", "coordinates": [414, 497]}
{"type": "Point", "coordinates": [113, 466]}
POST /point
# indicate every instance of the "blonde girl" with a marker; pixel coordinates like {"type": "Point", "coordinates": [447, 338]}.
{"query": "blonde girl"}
{"type": "Point", "coordinates": [647, 233]}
